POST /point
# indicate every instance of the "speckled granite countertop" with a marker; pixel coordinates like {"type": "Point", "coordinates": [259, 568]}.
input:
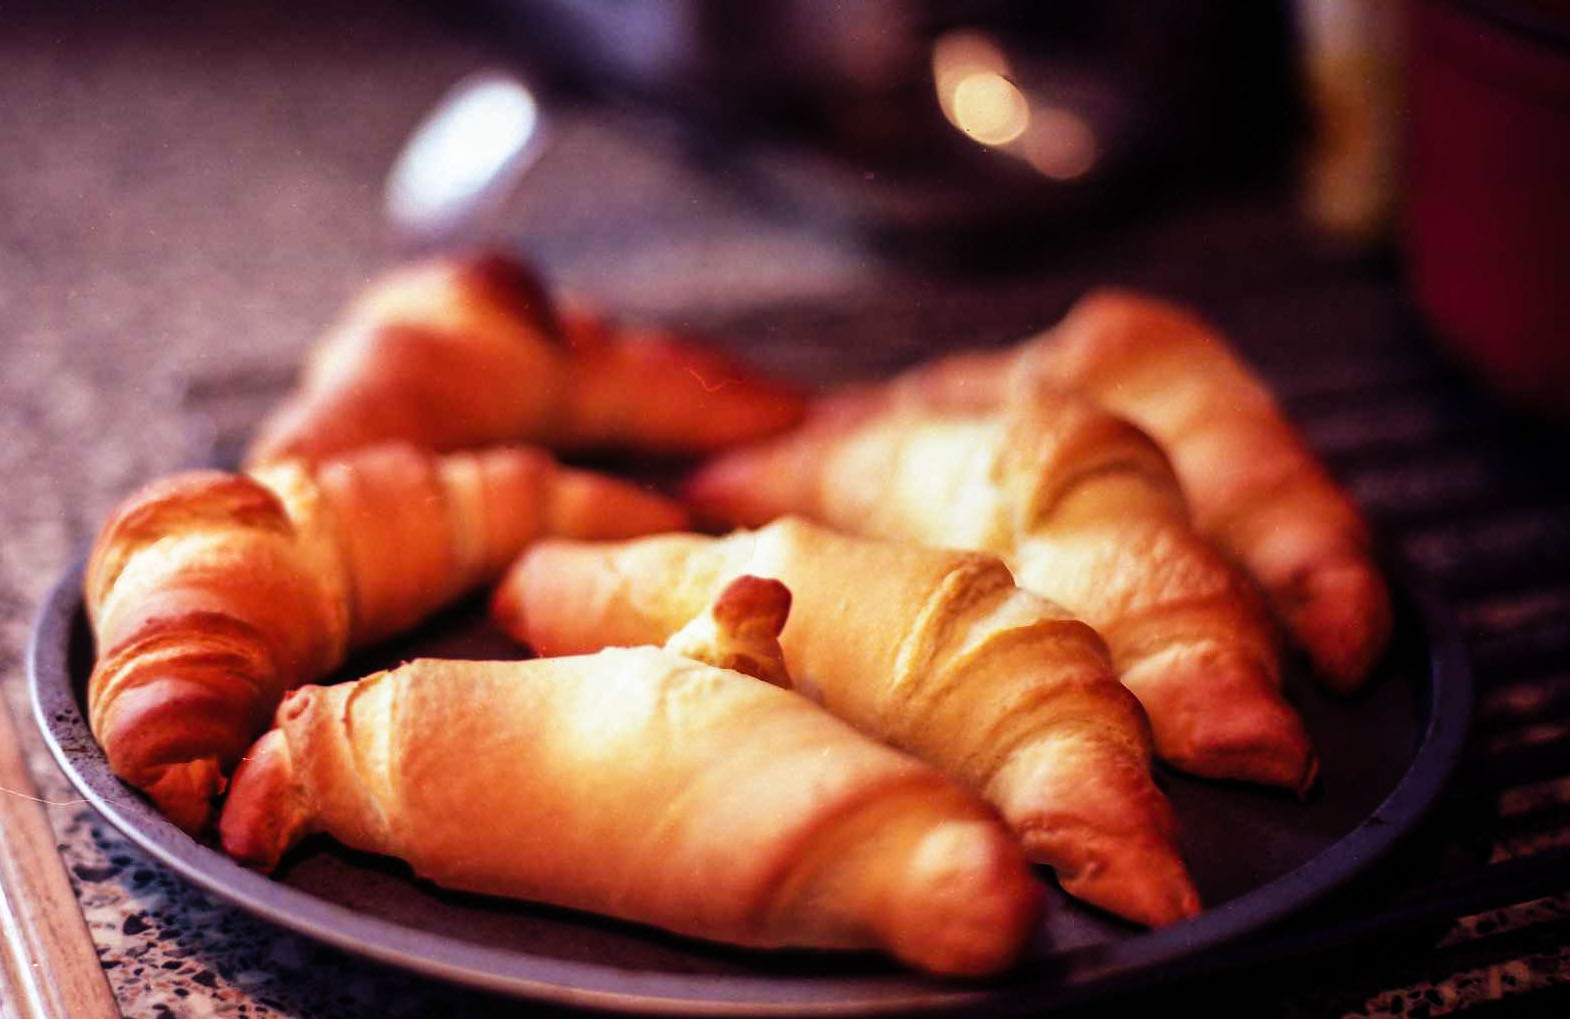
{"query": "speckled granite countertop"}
{"type": "Point", "coordinates": [188, 195]}
{"type": "Point", "coordinates": [178, 199]}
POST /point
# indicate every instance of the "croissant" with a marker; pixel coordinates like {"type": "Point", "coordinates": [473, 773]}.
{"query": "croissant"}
{"type": "Point", "coordinates": [1252, 483]}
{"type": "Point", "coordinates": [934, 652]}
{"type": "Point", "coordinates": [455, 353]}
{"type": "Point", "coordinates": [210, 594]}
{"type": "Point", "coordinates": [643, 784]}
{"type": "Point", "coordinates": [1086, 511]}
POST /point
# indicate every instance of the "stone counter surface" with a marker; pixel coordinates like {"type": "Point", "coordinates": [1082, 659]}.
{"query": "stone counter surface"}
{"type": "Point", "coordinates": [188, 195]}
{"type": "Point", "coordinates": [182, 194]}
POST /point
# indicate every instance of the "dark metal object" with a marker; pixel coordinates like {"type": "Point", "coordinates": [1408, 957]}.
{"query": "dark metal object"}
{"type": "Point", "coordinates": [1257, 856]}
{"type": "Point", "coordinates": [830, 109]}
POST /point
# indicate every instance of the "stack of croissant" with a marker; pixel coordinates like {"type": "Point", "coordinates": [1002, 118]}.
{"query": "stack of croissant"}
{"type": "Point", "coordinates": [967, 609]}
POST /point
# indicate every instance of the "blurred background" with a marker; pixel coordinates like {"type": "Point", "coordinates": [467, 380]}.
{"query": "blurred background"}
{"type": "Point", "coordinates": [1369, 196]}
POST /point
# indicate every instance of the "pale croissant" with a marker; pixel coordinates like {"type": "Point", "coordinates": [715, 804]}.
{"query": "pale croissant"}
{"type": "Point", "coordinates": [211, 593]}
{"type": "Point", "coordinates": [1086, 511]}
{"type": "Point", "coordinates": [461, 352]}
{"type": "Point", "coordinates": [1252, 483]}
{"type": "Point", "coordinates": [643, 784]}
{"type": "Point", "coordinates": [935, 652]}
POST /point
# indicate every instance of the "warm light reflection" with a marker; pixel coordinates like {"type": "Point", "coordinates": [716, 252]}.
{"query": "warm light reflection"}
{"type": "Point", "coordinates": [989, 108]}
{"type": "Point", "coordinates": [974, 93]}
{"type": "Point", "coordinates": [978, 95]}
{"type": "Point", "coordinates": [1060, 144]}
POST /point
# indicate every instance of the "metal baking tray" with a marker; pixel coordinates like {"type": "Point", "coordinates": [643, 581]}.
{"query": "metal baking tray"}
{"type": "Point", "coordinates": [1257, 856]}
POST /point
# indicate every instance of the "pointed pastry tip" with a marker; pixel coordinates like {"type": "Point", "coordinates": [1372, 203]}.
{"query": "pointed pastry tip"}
{"type": "Point", "coordinates": [740, 630]}
{"type": "Point", "coordinates": [263, 816]}
{"type": "Point", "coordinates": [1340, 613]}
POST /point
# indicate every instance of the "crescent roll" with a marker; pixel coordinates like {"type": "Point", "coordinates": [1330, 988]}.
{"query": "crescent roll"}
{"type": "Point", "coordinates": [1251, 481]}
{"type": "Point", "coordinates": [211, 594]}
{"type": "Point", "coordinates": [937, 653]}
{"type": "Point", "coordinates": [461, 352]}
{"type": "Point", "coordinates": [649, 786]}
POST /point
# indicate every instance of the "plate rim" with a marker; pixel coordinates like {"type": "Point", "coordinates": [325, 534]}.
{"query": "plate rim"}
{"type": "Point", "coordinates": [615, 988]}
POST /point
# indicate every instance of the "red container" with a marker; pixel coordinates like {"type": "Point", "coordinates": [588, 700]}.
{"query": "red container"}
{"type": "Point", "coordinates": [1488, 232]}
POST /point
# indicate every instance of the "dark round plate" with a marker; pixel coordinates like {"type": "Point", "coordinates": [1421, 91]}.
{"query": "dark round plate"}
{"type": "Point", "coordinates": [1257, 856]}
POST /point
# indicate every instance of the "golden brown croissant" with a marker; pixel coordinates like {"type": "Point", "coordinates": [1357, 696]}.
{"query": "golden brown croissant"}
{"type": "Point", "coordinates": [934, 652]}
{"type": "Point", "coordinates": [1086, 511]}
{"type": "Point", "coordinates": [212, 593]}
{"type": "Point", "coordinates": [752, 816]}
{"type": "Point", "coordinates": [1251, 481]}
{"type": "Point", "coordinates": [455, 353]}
